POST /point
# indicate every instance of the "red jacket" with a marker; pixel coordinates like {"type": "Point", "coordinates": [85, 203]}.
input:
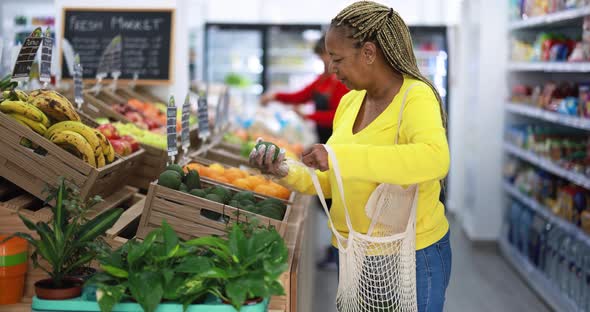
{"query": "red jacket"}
{"type": "Point", "coordinates": [328, 85]}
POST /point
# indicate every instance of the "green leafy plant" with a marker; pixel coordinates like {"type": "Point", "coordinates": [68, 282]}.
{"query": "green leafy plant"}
{"type": "Point", "coordinates": [247, 265]}
{"type": "Point", "coordinates": [68, 241]}
{"type": "Point", "coordinates": [158, 268]}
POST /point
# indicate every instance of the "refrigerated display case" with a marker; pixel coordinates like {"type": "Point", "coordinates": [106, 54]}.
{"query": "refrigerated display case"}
{"type": "Point", "coordinates": [261, 57]}
{"type": "Point", "coordinates": [431, 50]}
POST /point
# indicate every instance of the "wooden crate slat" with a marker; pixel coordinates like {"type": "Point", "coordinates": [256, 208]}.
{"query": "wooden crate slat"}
{"type": "Point", "coordinates": [113, 201]}
{"type": "Point", "coordinates": [127, 217]}
{"type": "Point", "coordinates": [183, 226]}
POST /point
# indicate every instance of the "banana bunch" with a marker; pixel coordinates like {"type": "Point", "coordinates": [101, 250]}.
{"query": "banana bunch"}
{"type": "Point", "coordinates": [26, 114]}
{"type": "Point", "coordinates": [54, 105]}
{"type": "Point", "coordinates": [83, 141]}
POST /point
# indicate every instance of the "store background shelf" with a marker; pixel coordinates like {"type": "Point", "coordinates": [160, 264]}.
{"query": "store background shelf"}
{"type": "Point", "coordinates": [557, 67]}
{"type": "Point", "coordinates": [550, 19]}
{"type": "Point", "coordinates": [547, 214]}
{"type": "Point", "coordinates": [529, 111]}
{"type": "Point", "coordinates": [552, 296]}
{"type": "Point", "coordinates": [548, 165]}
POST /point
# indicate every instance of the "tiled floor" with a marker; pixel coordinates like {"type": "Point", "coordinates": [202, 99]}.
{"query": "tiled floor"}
{"type": "Point", "coordinates": [481, 279]}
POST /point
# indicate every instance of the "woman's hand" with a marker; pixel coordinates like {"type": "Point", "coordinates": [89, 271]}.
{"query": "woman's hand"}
{"type": "Point", "coordinates": [262, 159]}
{"type": "Point", "coordinates": [316, 157]}
{"type": "Point", "coordinates": [266, 98]}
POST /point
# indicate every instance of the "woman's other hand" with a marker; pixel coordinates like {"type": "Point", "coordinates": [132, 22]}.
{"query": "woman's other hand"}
{"type": "Point", "coordinates": [316, 157]}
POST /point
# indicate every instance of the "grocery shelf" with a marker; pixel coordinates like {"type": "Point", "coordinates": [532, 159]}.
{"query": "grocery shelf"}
{"type": "Point", "coordinates": [544, 211]}
{"type": "Point", "coordinates": [558, 67]}
{"type": "Point", "coordinates": [548, 165]}
{"type": "Point", "coordinates": [569, 121]}
{"type": "Point", "coordinates": [550, 19]}
{"type": "Point", "coordinates": [537, 280]}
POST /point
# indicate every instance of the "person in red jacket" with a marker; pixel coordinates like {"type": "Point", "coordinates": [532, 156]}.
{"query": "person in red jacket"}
{"type": "Point", "coordinates": [325, 91]}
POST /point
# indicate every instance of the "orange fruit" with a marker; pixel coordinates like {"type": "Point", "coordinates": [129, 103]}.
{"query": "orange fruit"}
{"type": "Point", "coordinates": [217, 168]}
{"type": "Point", "coordinates": [266, 189]}
{"type": "Point", "coordinates": [242, 183]}
{"type": "Point", "coordinates": [280, 191]}
{"type": "Point", "coordinates": [193, 166]}
{"type": "Point", "coordinates": [234, 173]}
{"type": "Point", "coordinates": [256, 180]}
{"type": "Point", "coordinates": [221, 179]}
{"type": "Point", "coordinates": [207, 172]}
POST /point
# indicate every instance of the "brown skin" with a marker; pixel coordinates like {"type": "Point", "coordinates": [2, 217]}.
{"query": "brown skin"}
{"type": "Point", "coordinates": [363, 68]}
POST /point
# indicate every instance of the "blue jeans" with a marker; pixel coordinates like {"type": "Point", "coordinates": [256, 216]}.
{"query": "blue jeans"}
{"type": "Point", "coordinates": [433, 272]}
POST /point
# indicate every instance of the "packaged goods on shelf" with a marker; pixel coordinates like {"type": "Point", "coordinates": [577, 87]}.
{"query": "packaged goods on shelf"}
{"type": "Point", "coordinates": [565, 98]}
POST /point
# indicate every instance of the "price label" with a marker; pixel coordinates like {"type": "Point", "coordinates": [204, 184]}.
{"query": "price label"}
{"type": "Point", "coordinates": [46, 51]}
{"type": "Point", "coordinates": [115, 57]}
{"type": "Point", "coordinates": [106, 60]}
{"type": "Point", "coordinates": [78, 82]}
{"type": "Point", "coordinates": [203, 114]}
{"type": "Point", "coordinates": [26, 56]}
{"type": "Point", "coordinates": [185, 134]}
{"type": "Point", "coordinates": [171, 127]}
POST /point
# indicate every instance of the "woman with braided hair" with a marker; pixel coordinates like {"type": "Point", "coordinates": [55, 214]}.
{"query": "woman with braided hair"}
{"type": "Point", "coordinates": [390, 129]}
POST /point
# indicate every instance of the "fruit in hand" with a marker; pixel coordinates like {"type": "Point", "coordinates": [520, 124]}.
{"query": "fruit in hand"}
{"type": "Point", "coordinates": [268, 145]}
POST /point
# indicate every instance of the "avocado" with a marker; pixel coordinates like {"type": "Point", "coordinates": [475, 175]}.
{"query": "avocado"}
{"type": "Point", "coordinates": [222, 192]}
{"type": "Point", "coordinates": [244, 195]}
{"type": "Point", "coordinates": [177, 168]}
{"type": "Point", "coordinates": [183, 188]}
{"type": "Point", "coordinates": [170, 179]}
{"type": "Point", "coordinates": [192, 180]}
{"type": "Point", "coordinates": [198, 192]}
{"type": "Point", "coordinates": [270, 212]}
{"type": "Point", "coordinates": [268, 145]}
{"type": "Point", "coordinates": [246, 202]}
{"type": "Point", "coordinates": [271, 201]}
{"type": "Point", "coordinates": [234, 203]}
{"type": "Point", "coordinates": [214, 197]}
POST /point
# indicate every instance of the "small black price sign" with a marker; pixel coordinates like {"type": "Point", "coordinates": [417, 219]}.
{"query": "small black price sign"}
{"type": "Point", "coordinates": [26, 56]}
{"type": "Point", "coordinates": [203, 114]}
{"type": "Point", "coordinates": [78, 83]}
{"type": "Point", "coordinates": [186, 112]}
{"type": "Point", "coordinates": [46, 51]}
{"type": "Point", "coordinates": [171, 127]}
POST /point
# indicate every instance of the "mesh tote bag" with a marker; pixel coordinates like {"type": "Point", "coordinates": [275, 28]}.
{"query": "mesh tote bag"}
{"type": "Point", "coordinates": [377, 269]}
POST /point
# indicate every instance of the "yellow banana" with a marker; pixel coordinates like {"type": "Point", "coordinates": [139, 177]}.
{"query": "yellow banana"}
{"type": "Point", "coordinates": [107, 148]}
{"type": "Point", "coordinates": [100, 160]}
{"type": "Point", "coordinates": [25, 109]}
{"type": "Point", "coordinates": [54, 105]}
{"type": "Point", "coordinates": [80, 128]}
{"type": "Point", "coordinates": [22, 95]}
{"type": "Point", "coordinates": [76, 141]}
{"type": "Point", "coordinates": [15, 95]}
{"type": "Point", "coordinates": [34, 125]}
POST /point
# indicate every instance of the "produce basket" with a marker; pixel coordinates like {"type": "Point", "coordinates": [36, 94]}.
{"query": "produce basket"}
{"type": "Point", "coordinates": [87, 303]}
{"type": "Point", "coordinates": [190, 215]}
{"type": "Point", "coordinates": [33, 170]}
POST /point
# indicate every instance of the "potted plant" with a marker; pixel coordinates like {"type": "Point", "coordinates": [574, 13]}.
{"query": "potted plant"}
{"type": "Point", "coordinates": [67, 242]}
{"type": "Point", "coordinates": [246, 266]}
{"type": "Point", "coordinates": [158, 269]}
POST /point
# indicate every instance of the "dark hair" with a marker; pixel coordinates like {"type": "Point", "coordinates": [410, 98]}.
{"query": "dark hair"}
{"type": "Point", "coordinates": [367, 21]}
{"type": "Point", "coordinates": [320, 46]}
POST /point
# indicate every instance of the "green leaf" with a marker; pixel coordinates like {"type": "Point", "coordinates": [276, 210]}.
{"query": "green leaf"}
{"type": "Point", "coordinates": [99, 225]}
{"type": "Point", "coordinates": [236, 291]}
{"type": "Point", "coordinates": [194, 265]}
{"type": "Point", "coordinates": [215, 273]}
{"type": "Point", "coordinates": [111, 296]}
{"type": "Point", "coordinates": [28, 223]}
{"type": "Point", "coordinates": [167, 274]}
{"type": "Point", "coordinates": [170, 239]}
{"type": "Point", "coordinates": [214, 244]}
{"type": "Point", "coordinates": [238, 243]}
{"type": "Point", "coordinates": [146, 287]}
{"type": "Point", "coordinates": [59, 212]}
{"type": "Point", "coordinates": [136, 252]}
{"type": "Point", "coordinates": [114, 271]}
{"type": "Point", "coordinates": [173, 288]}
{"type": "Point", "coordinates": [80, 262]}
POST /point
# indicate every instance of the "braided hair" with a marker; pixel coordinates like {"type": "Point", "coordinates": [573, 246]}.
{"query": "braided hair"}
{"type": "Point", "coordinates": [368, 21]}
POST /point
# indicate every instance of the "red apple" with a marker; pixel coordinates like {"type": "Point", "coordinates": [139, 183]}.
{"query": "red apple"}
{"type": "Point", "coordinates": [121, 147]}
{"type": "Point", "coordinates": [109, 131]}
{"type": "Point", "coordinates": [132, 141]}
{"type": "Point", "coordinates": [152, 124]}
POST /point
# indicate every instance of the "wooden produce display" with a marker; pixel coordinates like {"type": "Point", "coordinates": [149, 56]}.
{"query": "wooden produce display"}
{"type": "Point", "coordinates": [33, 170]}
{"type": "Point", "coordinates": [154, 159]}
{"type": "Point", "coordinates": [186, 213]}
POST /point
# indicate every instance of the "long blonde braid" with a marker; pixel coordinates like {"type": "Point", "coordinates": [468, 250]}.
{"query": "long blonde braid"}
{"type": "Point", "coordinates": [371, 21]}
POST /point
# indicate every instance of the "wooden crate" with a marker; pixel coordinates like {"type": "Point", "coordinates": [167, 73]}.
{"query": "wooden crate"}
{"type": "Point", "coordinates": [33, 171]}
{"type": "Point", "coordinates": [228, 157]}
{"type": "Point", "coordinates": [183, 212]}
{"type": "Point", "coordinates": [126, 227]}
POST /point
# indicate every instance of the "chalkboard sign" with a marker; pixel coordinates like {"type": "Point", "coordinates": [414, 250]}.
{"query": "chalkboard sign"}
{"type": "Point", "coordinates": [147, 41]}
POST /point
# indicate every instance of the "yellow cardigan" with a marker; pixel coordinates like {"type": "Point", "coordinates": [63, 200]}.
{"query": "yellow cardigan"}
{"type": "Point", "coordinates": [370, 157]}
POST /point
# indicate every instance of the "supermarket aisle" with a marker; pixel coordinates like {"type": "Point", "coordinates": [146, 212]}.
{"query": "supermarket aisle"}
{"type": "Point", "coordinates": [482, 280]}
